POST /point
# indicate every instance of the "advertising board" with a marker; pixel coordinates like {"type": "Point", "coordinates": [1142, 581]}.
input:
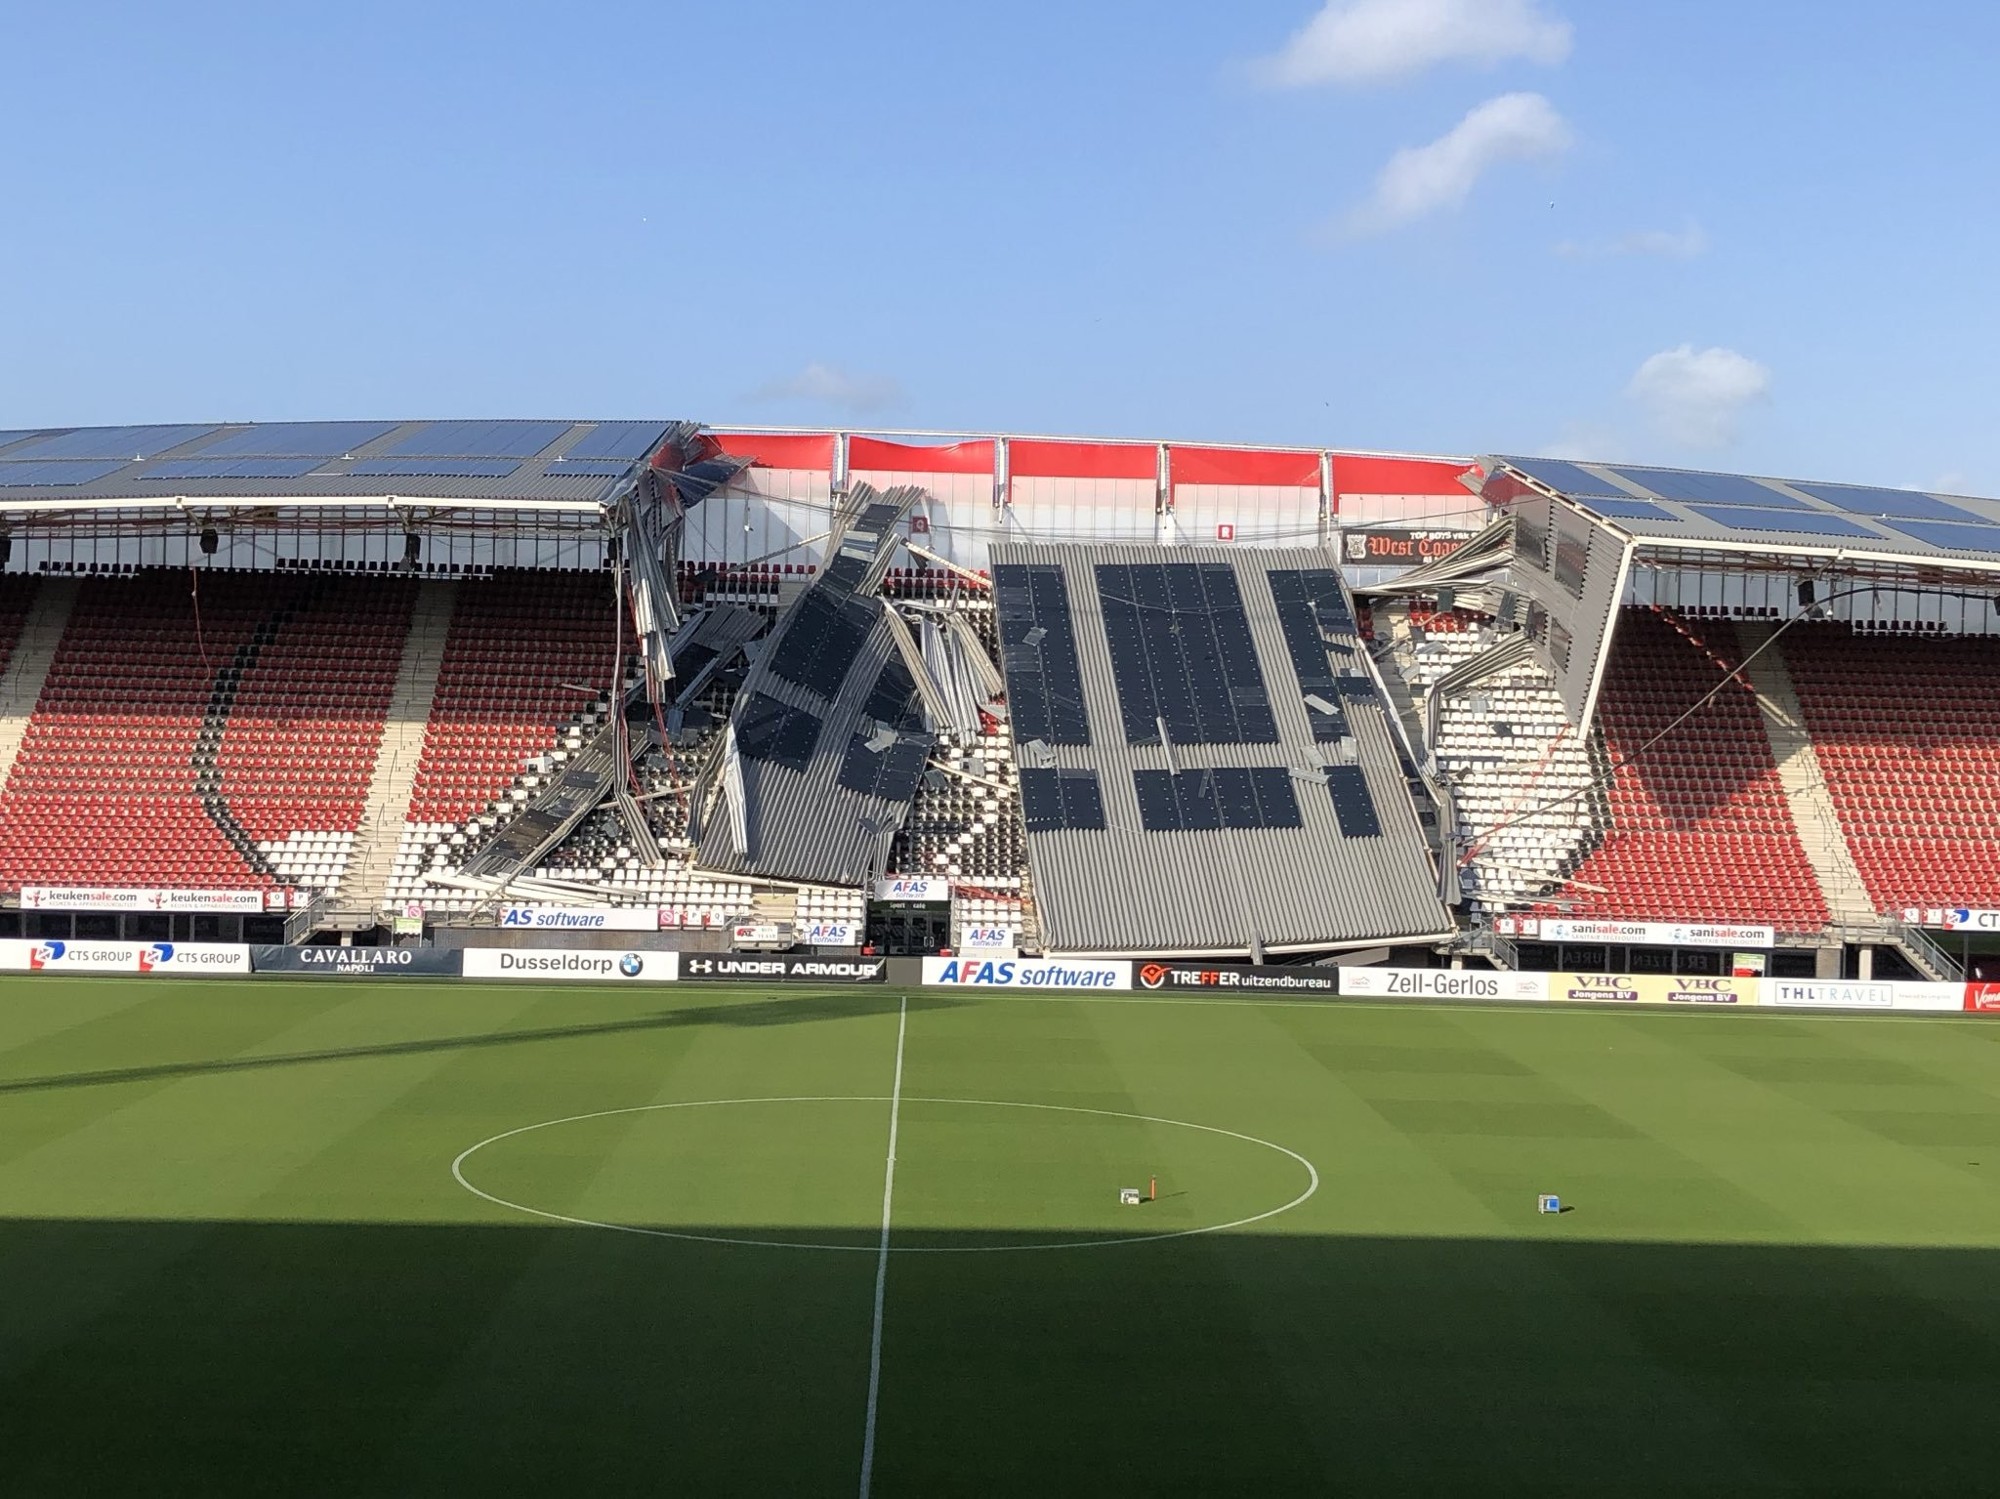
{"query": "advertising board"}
{"type": "Point", "coordinates": [1653, 988]}
{"type": "Point", "coordinates": [581, 918]}
{"type": "Point", "coordinates": [910, 889]}
{"type": "Point", "coordinates": [829, 934]}
{"type": "Point", "coordinates": [174, 959]}
{"type": "Point", "coordinates": [359, 962]}
{"type": "Point", "coordinates": [1029, 973]}
{"type": "Point", "coordinates": [1646, 933]}
{"type": "Point", "coordinates": [1399, 546]}
{"type": "Point", "coordinates": [128, 898]}
{"type": "Point", "coordinates": [705, 968]}
{"type": "Point", "coordinates": [1443, 983]}
{"type": "Point", "coordinates": [562, 965]}
{"type": "Point", "coordinates": [1980, 999]}
{"type": "Point", "coordinates": [1829, 994]}
{"type": "Point", "coordinates": [1236, 978]}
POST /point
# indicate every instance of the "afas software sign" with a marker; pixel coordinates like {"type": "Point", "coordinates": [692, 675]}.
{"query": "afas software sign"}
{"type": "Point", "coordinates": [571, 965]}
{"type": "Point", "coordinates": [1028, 973]}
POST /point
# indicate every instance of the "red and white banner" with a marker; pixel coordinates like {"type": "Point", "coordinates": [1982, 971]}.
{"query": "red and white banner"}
{"type": "Point", "coordinates": [1663, 933]}
{"type": "Point", "coordinates": [127, 898]}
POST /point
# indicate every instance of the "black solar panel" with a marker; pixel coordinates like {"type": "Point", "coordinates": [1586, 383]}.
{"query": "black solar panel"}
{"type": "Point", "coordinates": [1709, 489]}
{"type": "Point", "coordinates": [1310, 604]}
{"type": "Point", "coordinates": [1038, 650]}
{"type": "Point", "coordinates": [890, 773]}
{"type": "Point", "coordinates": [55, 472]}
{"type": "Point", "coordinates": [625, 442]}
{"type": "Point", "coordinates": [435, 468]}
{"type": "Point", "coordinates": [478, 440]}
{"type": "Point", "coordinates": [1564, 477]}
{"type": "Point", "coordinates": [1813, 522]}
{"type": "Point", "coordinates": [845, 572]}
{"type": "Point", "coordinates": [232, 468]}
{"type": "Point", "coordinates": [1054, 800]}
{"type": "Point", "coordinates": [767, 729]}
{"type": "Point", "coordinates": [1228, 796]}
{"type": "Point", "coordinates": [1181, 653]}
{"type": "Point", "coordinates": [125, 444]}
{"type": "Point", "coordinates": [1897, 505]}
{"type": "Point", "coordinates": [321, 440]}
{"type": "Point", "coordinates": [1353, 805]}
{"type": "Point", "coordinates": [894, 698]}
{"type": "Point", "coordinates": [824, 633]}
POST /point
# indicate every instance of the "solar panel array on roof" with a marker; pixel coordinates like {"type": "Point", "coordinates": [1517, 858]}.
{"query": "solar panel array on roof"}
{"type": "Point", "coordinates": [602, 468]}
{"type": "Point", "coordinates": [322, 440]}
{"type": "Point", "coordinates": [1038, 650]}
{"type": "Point", "coordinates": [232, 468]}
{"type": "Point", "coordinates": [1709, 489]}
{"type": "Point", "coordinates": [1612, 509]}
{"type": "Point", "coordinates": [1181, 654]}
{"type": "Point", "coordinates": [893, 700]}
{"type": "Point", "coordinates": [126, 444]}
{"type": "Point", "coordinates": [1309, 604]}
{"type": "Point", "coordinates": [1812, 522]}
{"type": "Point", "coordinates": [1218, 796]}
{"type": "Point", "coordinates": [1058, 800]}
{"type": "Point", "coordinates": [417, 467]}
{"type": "Point", "coordinates": [1894, 504]}
{"type": "Point", "coordinates": [823, 636]}
{"type": "Point", "coordinates": [8, 439]}
{"type": "Point", "coordinates": [1966, 538]}
{"type": "Point", "coordinates": [478, 440]}
{"type": "Point", "coordinates": [55, 473]}
{"type": "Point", "coordinates": [1353, 803]}
{"type": "Point", "coordinates": [767, 729]}
{"type": "Point", "coordinates": [1565, 478]}
{"type": "Point", "coordinates": [626, 442]}
{"type": "Point", "coordinates": [891, 772]}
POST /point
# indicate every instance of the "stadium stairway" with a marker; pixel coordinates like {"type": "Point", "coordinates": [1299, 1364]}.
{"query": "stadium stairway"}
{"type": "Point", "coordinates": [365, 891]}
{"type": "Point", "coordinates": [28, 662]}
{"type": "Point", "coordinates": [1799, 772]}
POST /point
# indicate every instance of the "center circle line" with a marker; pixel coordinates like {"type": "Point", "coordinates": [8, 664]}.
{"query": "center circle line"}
{"type": "Point", "coordinates": [458, 1174]}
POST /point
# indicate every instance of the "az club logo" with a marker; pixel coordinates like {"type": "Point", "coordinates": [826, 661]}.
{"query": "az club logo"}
{"type": "Point", "coordinates": [1152, 975]}
{"type": "Point", "coordinates": [631, 965]}
{"type": "Point", "coordinates": [45, 953]}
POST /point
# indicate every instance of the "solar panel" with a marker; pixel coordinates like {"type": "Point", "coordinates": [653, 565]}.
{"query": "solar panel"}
{"type": "Point", "coordinates": [124, 443]}
{"type": "Point", "coordinates": [1967, 538]}
{"type": "Point", "coordinates": [1310, 603]}
{"type": "Point", "coordinates": [1896, 504]}
{"type": "Point", "coordinates": [1181, 654]}
{"type": "Point", "coordinates": [767, 729]}
{"type": "Point", "coordinates": [890, 773]}
{"type": "Point", "coordinates": [1353, 805]}
{"type": "Point", "coordinates": [1812, 522]}
{"type": "Point", "coordinates": [232, 468]}
{"type": "Point", "coordinates": [626, 442]}
{"type": "Point", "coordinates": [1038, 651]}
{"type": "Point", "coordinates": [1053, 800]}
{"type": "Point", "coordinates": [1626, 509]}
{"type": "Point", "coordinates": [478, 440]}
{"type": "Point", "coordinates": [1563, 477]}
{"type": "Point", "coordinates": [823, 634]}
{"type": "Point", "coordinates": [54, 474]}
{"type": "Point", "coordinates": [1224, 796]}
{"type": "Point", "coordinates": [1709, 489]}
{"type": "Point", "coordinates": [322, 440]}
{"type": "Point", "coordinates": [893, 700]}
{"type": "Point", "coordinates": [435, 468]}
{"type": "Point", "coordinates": [7, 439]}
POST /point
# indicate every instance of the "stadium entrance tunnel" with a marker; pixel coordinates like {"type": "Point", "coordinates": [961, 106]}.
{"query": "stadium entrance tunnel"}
{"type": "Point", "coordinates": [342, 1358]}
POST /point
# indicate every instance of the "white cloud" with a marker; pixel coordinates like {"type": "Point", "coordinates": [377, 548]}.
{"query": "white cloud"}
{"type": "Point", "coordinates": [1669, 244]}
{"type": "Point", "coordinates": [1420, 180]}
{"type": "Point", "coordinates": [830, 385]}
{"type": "Point", "coordinates": [1368, 41]}
{"type": "Point", "coordinates": [1698, 396]}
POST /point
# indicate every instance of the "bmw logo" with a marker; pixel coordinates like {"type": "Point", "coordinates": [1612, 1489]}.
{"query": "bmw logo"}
{"type": "Point", "coordinates": [631, 965]}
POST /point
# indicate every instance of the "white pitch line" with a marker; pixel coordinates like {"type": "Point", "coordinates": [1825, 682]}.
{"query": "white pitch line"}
{"type": "Point", "coordinates": [882, 1259]}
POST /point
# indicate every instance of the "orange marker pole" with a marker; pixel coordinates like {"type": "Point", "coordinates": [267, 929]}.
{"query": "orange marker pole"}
{"type": "Point", "coordinates": [1153, 1190]}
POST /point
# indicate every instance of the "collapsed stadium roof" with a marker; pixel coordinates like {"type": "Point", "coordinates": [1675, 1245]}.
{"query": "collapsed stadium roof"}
{"type": "Point", "coordinates": [1206, 763]}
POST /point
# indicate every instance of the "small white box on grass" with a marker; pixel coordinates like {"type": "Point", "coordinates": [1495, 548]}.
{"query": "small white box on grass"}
{"type": "Point", "coordinates": [1129, 1197]}
{"type": "Point", "coordinates": [1548, 1204]}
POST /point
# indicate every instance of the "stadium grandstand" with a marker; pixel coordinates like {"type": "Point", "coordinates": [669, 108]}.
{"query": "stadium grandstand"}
{"type": "Point", "coordinates": [369, 682]}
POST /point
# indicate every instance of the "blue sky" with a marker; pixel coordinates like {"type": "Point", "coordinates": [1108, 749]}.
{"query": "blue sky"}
{"type": "Point", "coordinates": [1756, 236]}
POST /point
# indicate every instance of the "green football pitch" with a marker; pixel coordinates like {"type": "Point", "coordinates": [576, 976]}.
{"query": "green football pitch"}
{"type": "Point", "coordinates": [394, 1238]}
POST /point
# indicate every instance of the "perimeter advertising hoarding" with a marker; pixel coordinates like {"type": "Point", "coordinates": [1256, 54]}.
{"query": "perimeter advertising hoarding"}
{"type": "Point", "coordinates": [130, 898]}
{"type": "Point", "coordinates": [1028, 973]}
{"type": "Point", "coordinates": [174, 959]}
{"type": "Point", "coordinates": [1443, 983]}
{"type": "Point", "coordinates": [1237, 978]}
{"type": "Point", "coordinates": [1983, 999]}
{"type": "Point", "coordinates": [359, 962]}
{"type": "Point", "coordinates": [1653, 988]}
{"type": "Point", "coordinates": [567, 965]}
{"type": "Point", "coordinates": [581, 918]}
{"type": "Point", "coordinates": [708, 968]}
{"type": "Point", "coordinates": [1646, 933]}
